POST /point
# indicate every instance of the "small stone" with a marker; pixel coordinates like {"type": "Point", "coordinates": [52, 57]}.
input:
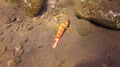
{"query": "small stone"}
{"type": "Point", "coordinates": [19, 53]}
{"type": "Point", "coordinates": [17, 59]}
{"type": "Point", "coordinates": [18, 46]}
{"type": "Point", "coordinates": [11, 63]}
{"type": "Point", "coordinates": [19, 19]}
{"type": "Point", "coordinates": [13, 19]}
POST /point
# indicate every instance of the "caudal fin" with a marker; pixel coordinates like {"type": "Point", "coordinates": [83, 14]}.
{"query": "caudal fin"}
{"type": "Point", "coordinates": [55, 43]}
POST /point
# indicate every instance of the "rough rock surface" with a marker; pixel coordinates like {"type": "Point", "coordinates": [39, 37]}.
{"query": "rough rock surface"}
{"type": "Point", "coordinates": [103, 12]}
{"type": "Point", "coordinates": [32, 7]}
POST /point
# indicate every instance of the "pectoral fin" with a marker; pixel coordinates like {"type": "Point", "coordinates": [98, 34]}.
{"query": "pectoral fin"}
{"type": "Point", "coordinates": [69, 30]}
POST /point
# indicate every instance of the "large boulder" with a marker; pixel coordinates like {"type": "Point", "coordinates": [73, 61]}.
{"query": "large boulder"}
{"type": "Point", "coordinates": [103, 12]}
{"type": "Point", "coordinates": [32, 7]}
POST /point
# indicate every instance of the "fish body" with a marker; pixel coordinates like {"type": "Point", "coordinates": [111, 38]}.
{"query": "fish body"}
{"type": "Point", "coordinates": [63, 26]}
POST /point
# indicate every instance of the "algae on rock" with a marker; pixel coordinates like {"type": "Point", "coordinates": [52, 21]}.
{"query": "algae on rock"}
{"type": "Point", "coordinates": [103, 12]}
{"type": "Point", "coordinates": [32, 7]}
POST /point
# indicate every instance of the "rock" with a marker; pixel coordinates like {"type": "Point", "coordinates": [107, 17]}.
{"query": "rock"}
{"type": "Point", "coordinates": [19, 52]}
{"type": "Point", "coordinates": [11, 63]}
{"type": "Point", "coordinates": [18, 46]}
{"type": "Point", "coordinates": [17, 59]}
{"type": "Point", "coordinates": [32, 7]}
{"type": "Point", "coordinates": [103, 12]}
{"type": "Point", "coordinates": [19, 49]}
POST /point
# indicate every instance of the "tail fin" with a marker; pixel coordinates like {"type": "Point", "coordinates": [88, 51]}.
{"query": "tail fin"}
{"type": "Point", "coordinates": [55, 43]}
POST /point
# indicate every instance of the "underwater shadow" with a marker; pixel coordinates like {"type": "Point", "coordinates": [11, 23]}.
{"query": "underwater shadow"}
{"type": "Point", "coordinates": [102, 26]}
{"type": "Point", "coordinates": [44, 8]}
{"type": "Point", "coordinates": [99, 25]}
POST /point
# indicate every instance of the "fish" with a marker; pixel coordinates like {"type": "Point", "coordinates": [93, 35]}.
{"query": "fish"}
{"type": "Point", "coordinates": [63, 26]}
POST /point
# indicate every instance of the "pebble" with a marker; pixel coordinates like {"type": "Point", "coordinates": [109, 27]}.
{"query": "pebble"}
{"type": "Point", "coordinates": [13, 19]}
{"type": "Point", "coordinates": [19, 49]}
{"type": "Point", "coordinates": [18, 46]}
{"type": "Point", "coordinates": [19, 53]}
{"type": "Point", "coordinates": [17, 59]}
{"type": "Point", "coordinates": [11, 63]}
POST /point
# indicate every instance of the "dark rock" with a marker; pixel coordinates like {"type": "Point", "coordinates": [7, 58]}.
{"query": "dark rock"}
{"type": "Point", "coordinates": [103, 12]}
{"type": "Point", "coordinates": [32, 7]}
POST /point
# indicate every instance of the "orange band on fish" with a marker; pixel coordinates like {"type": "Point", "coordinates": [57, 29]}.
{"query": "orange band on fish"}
{"type": "Point", "coordinates": [60, 32]}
